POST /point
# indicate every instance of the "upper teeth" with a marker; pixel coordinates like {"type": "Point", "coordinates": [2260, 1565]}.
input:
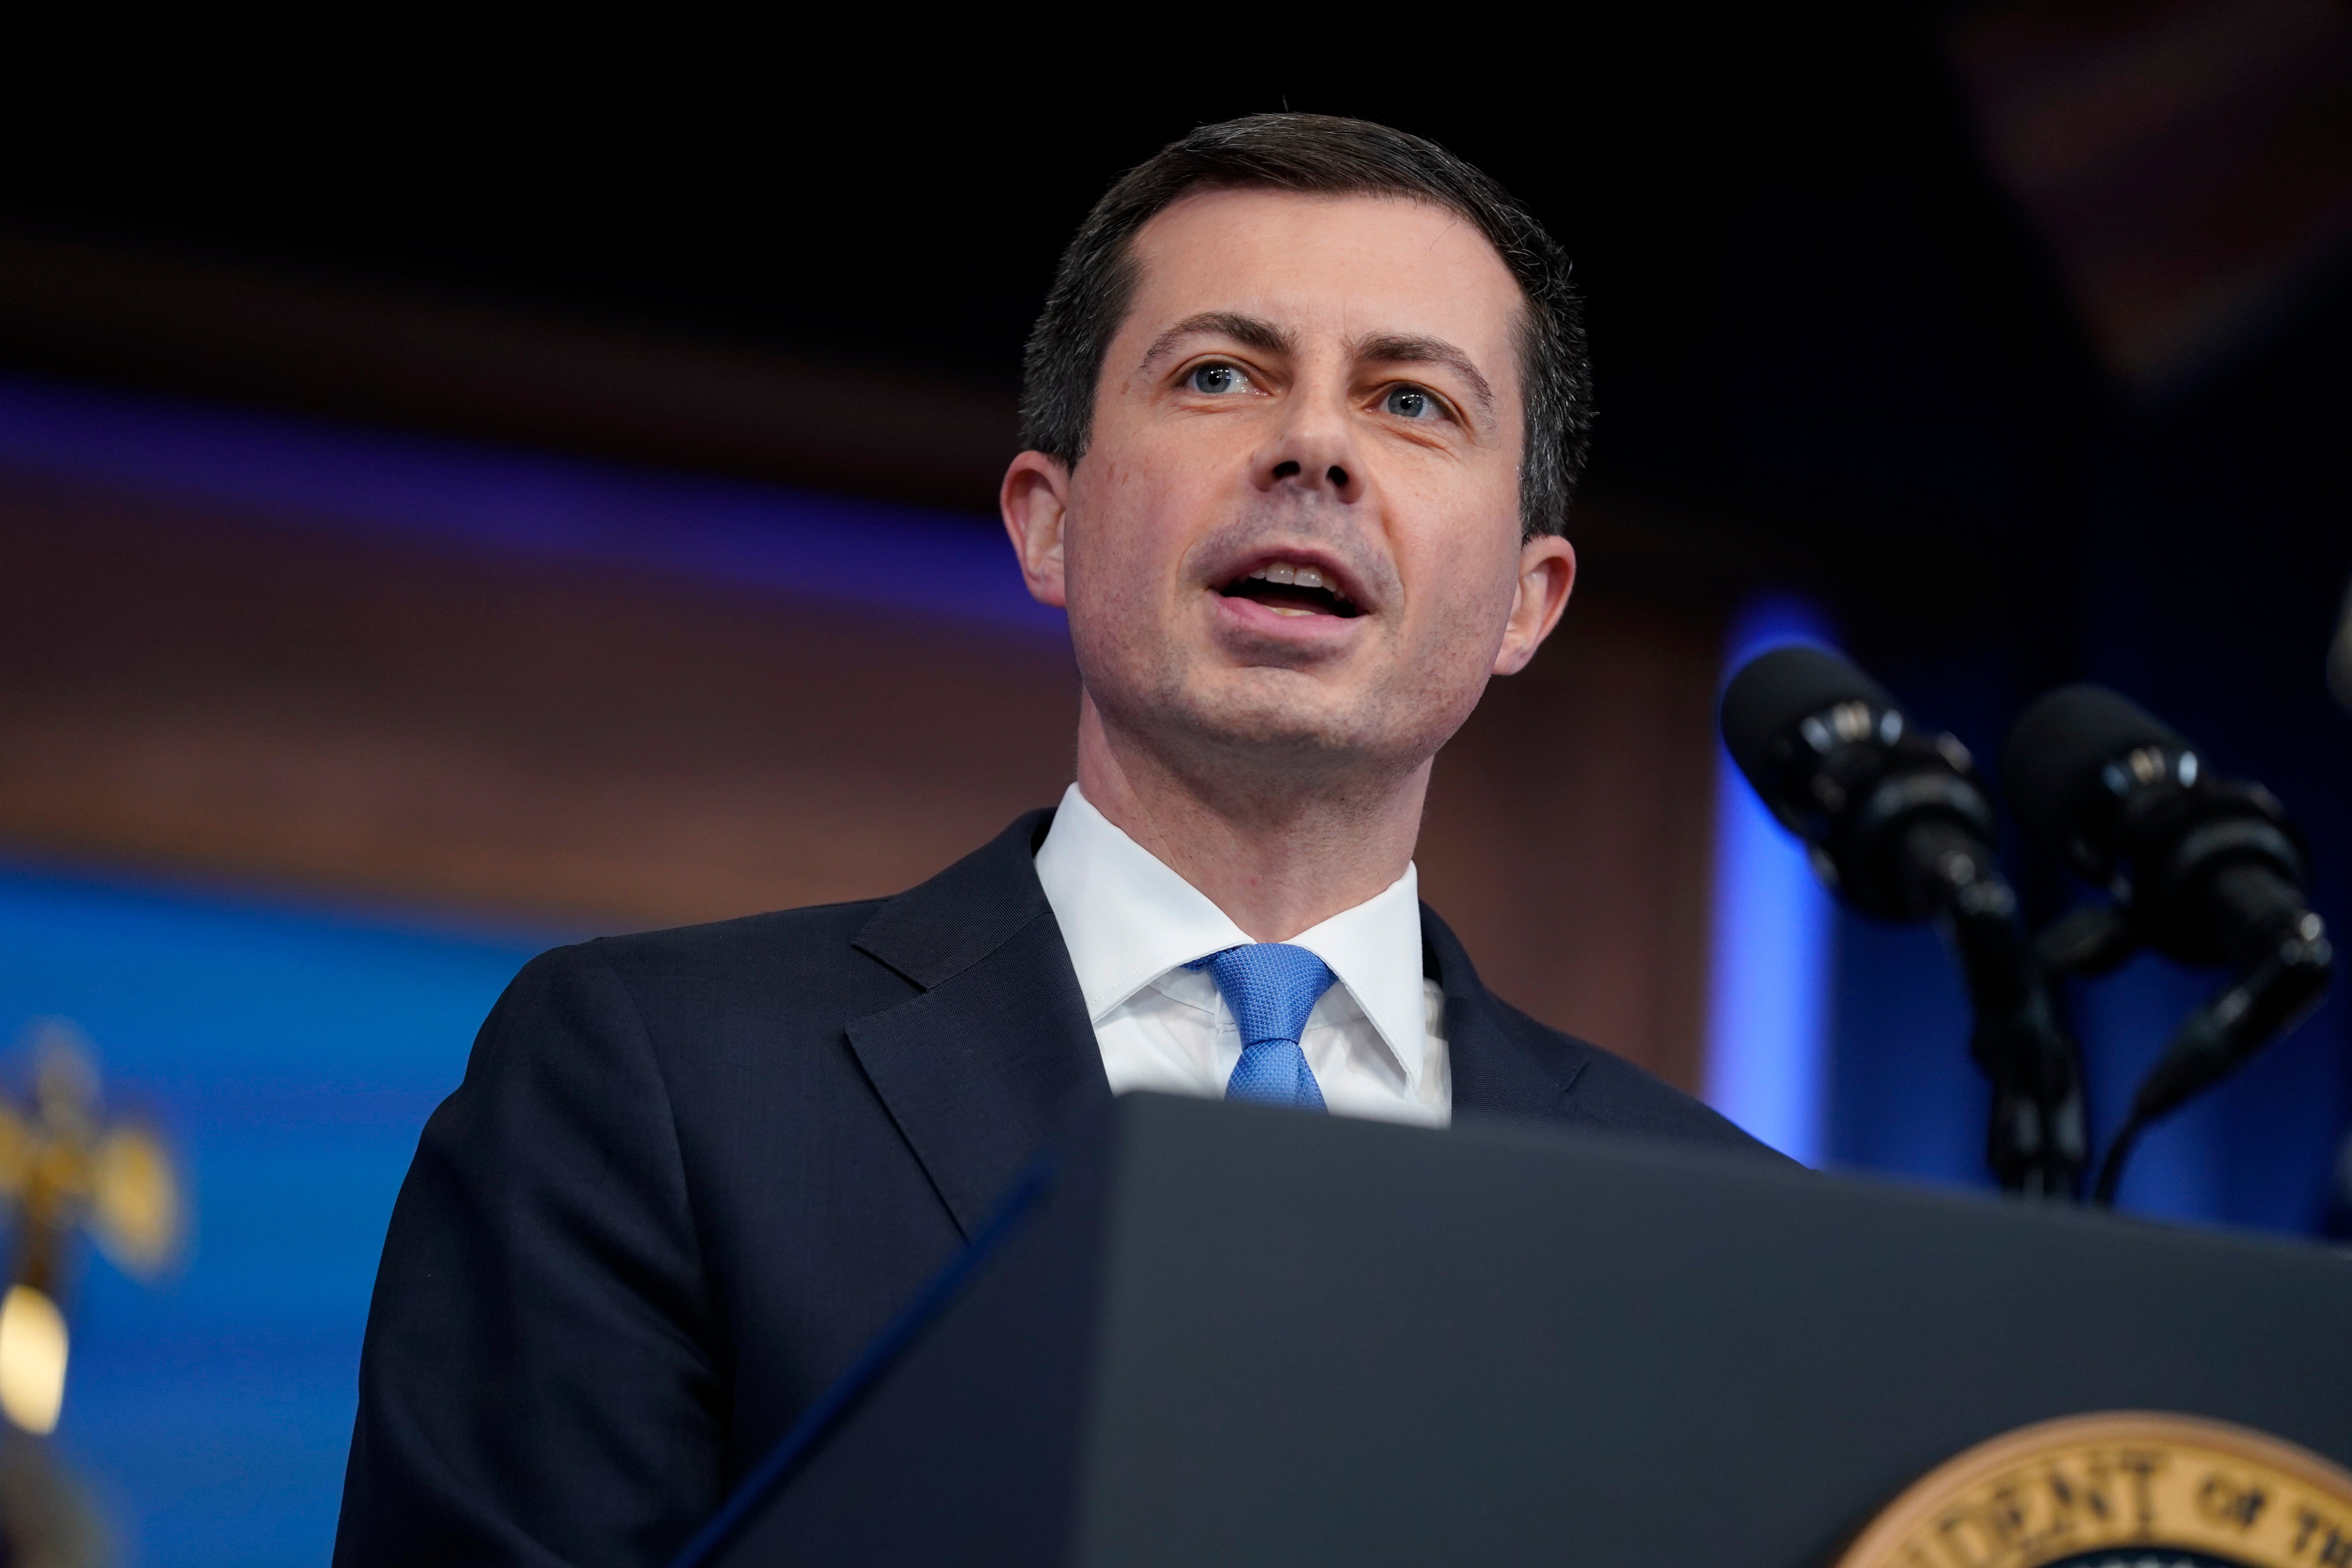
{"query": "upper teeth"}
{"type": "Point", "coordinates": [1297, 576]}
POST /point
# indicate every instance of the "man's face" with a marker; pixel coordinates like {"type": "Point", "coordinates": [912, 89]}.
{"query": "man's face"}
{"type": "Point", "coordinates": [1295, 535]}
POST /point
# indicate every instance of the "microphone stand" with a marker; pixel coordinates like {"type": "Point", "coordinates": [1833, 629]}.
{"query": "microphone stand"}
{"type": "Point", "coordinates": [2036, 1141]}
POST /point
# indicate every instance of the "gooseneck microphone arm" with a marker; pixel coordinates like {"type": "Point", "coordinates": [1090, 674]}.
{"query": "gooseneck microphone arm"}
{"type": "Point", "coordinates": [1898, 825]}
{"type": "Point", "coordinates": [2276, 986]}
{"type": "Point", "coordinates": [2205, 871]}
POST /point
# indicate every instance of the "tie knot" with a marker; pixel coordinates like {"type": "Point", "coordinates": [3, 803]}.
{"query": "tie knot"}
{"type": "Point", "coordinates": [1271, 987]}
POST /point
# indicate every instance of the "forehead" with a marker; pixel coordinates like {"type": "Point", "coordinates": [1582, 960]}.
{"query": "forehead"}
{"type": "Point", "coordinates": [1354, 265]}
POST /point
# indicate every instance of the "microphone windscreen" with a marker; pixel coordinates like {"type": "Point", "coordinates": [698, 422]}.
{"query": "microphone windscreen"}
{"type": "Point", "coordinates": [2057, 747]}
{"type": "Point", "coordinates": [1776, 690]}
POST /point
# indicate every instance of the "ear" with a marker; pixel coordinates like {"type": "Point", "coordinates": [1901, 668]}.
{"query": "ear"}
{"type": "Point", "coordinates": [1546, 573]}
{"type": "Point", "coordinates": [1034, 499]}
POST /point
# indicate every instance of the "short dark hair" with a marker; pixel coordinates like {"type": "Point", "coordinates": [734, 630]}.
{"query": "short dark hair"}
{"type": "Point", "coordinates": [1314, 154]}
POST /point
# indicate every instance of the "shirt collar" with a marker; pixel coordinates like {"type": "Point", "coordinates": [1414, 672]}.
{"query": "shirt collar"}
{"type": "Point", "coordinates": [1128, 918]}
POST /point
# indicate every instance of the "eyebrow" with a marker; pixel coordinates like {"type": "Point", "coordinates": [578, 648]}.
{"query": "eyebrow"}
{"type": "Point", "coordinates": [1406, 350]}
{"type": "Point", "coordinates": [1250, 332]}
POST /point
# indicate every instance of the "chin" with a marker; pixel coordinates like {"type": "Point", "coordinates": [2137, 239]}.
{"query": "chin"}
{"type": "Point", "coordinates": [1296, 724]}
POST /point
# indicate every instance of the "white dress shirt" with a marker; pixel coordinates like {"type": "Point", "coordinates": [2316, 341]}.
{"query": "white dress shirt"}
{"type": "Point", "coordinates": [1376, 1041]}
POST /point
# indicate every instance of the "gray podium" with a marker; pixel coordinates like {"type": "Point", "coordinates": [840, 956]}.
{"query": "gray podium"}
{"type": "Point", "coordinates": [1217, 1334]}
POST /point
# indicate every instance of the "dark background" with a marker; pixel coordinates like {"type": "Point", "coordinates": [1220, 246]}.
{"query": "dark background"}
{"type": "Point", "coordinates": [447, 466]}
{"type": "Point", "coordinates": [2012, 335]}
{"type": "Point", "coordinates": [1824, 315]}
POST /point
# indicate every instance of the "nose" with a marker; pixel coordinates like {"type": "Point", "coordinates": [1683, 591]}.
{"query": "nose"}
{"type": "Point", "coordinates": [1313, 449]}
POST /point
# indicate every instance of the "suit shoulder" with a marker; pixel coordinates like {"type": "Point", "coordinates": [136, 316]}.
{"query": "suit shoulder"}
{"type": "Point", "coordinates": [784, 964]}
{"type": "Point", "coordinates": [753, 938]}
{"type": "Point", "coordinates": [1618, 1094]}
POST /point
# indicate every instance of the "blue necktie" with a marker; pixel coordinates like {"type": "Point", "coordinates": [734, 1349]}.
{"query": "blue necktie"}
{"type": "Point", "coordinates": [1271, 987]}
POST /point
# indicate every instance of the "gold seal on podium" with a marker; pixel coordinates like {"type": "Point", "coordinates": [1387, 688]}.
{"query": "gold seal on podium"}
{"type": "Point", "coordinates": [2123, 1489]}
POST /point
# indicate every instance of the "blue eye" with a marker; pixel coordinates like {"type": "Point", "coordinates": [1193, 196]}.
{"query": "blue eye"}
{"type": "Point", "coordinates": [1412, 403]}
{"type": "Point", "coordinates": [1216, 380]}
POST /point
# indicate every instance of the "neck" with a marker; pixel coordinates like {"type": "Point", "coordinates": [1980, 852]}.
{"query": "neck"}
{"type": "Point", "coordinates": [1276, 855]}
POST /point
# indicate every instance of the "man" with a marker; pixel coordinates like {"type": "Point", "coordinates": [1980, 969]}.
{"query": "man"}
{"type": "Point", "coordinates": [1303, 412]}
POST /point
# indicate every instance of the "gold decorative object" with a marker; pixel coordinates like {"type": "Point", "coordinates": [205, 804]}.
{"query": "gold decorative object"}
{"type": "Point", "coordinates": [64, 1168]}
{"type": "Point", "coordinates": [2123, 1488]}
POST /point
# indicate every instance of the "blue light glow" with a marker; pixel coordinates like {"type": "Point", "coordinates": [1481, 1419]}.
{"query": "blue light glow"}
{"type": "Point", "coordinates": [309, 473]}
{"type": "Point", "coordinates": [1769, 976]}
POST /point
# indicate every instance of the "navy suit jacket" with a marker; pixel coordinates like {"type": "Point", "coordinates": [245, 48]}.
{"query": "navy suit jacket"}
{"type": "Point", "coordinates": [689, 1174]}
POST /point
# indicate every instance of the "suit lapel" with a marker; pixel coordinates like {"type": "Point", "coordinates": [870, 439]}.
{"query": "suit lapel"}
{"type": "Point", "coordinates": [1500, 1067]}
{"type": "Point", "coordinates": [979, 1068]}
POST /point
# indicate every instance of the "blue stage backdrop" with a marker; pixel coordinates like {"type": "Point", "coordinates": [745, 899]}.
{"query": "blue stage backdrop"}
{"type": "Point", "coordinates": [294, 1053]}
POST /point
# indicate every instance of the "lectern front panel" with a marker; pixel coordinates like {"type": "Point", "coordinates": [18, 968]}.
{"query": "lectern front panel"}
{"type": "Point", "coordinates": [1248, 1337]}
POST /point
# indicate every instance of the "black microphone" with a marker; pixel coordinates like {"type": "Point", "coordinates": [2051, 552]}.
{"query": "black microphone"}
{"type": "Point", "coordinates": [2209, 868]}
{"type": "Point", "coordinates": [1899, 824]}
{"type": "Point", "coordinates": [1896, 819]}
{"type": "Point", "coordinates": [2206, 871]}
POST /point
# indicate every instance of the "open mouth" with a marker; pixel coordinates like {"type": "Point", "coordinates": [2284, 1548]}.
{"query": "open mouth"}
{"type": "Point", "coordinates": [1291, 590]}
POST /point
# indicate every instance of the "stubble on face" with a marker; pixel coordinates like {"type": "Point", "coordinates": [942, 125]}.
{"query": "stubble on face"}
{"type": "Point", "coordinates": [1269, 703]}
{"type": "Point", "coordinates": [1169, 507]}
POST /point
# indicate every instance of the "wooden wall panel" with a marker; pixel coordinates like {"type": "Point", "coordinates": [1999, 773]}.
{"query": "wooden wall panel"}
{"type": "Point", "coordinates": [1569, 830]}
{"type": "Point", "coordinates": [293, 338]}
{"type": "Point", "coordinates": [193, 690]}
{"type": "Point", "coordinates": [206, 694]}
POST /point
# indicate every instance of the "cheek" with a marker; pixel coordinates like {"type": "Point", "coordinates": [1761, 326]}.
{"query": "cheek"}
{"type": "Point", "coordinates": [1463, 636]}
{"type": "Point", "coordinates": [1468, 572]}
{"type": "Point", "coordinates": [1117, 549]}
{"type": "Point", "coordinates": [1137, 508]}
